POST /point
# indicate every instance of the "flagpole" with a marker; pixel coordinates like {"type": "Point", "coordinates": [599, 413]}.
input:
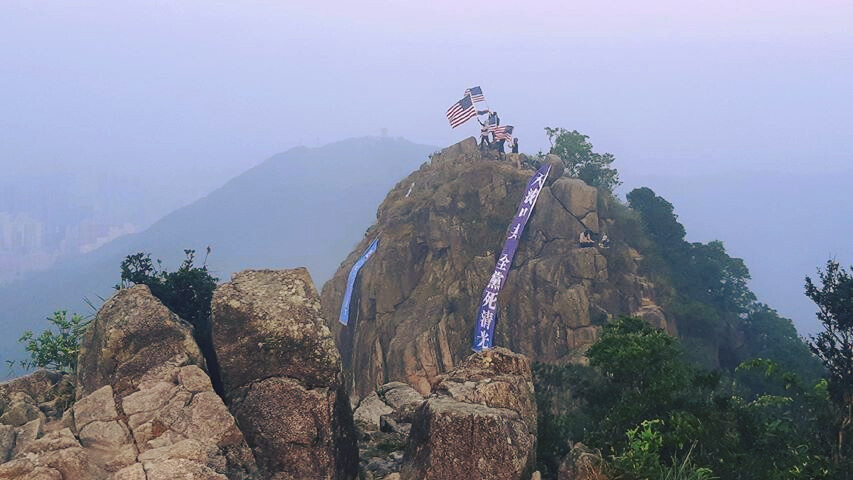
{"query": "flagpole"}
{"type": "Point", "coordinates": [474, 104]}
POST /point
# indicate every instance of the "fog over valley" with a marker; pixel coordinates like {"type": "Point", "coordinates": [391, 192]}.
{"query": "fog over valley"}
{"type": "Point", "coordinates": [114, 116]}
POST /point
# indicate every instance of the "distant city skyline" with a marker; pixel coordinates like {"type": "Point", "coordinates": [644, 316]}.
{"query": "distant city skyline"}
{"type": "Point", "coordinates": [28, 244]}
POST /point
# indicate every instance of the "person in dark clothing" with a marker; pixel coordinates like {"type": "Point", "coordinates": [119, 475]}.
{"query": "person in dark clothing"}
{"type": "Point", "coordinates": [514, 145]}
{"type": "Point", "coordinates": [500, 146]}
{"type": "Point", "coordinates": [494, 119]}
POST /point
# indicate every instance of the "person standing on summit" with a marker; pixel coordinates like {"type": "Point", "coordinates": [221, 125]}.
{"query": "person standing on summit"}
{"type": "Point", "coordinates": [484, 134]}
{"type": "Point", "coordinates": [494, 119]}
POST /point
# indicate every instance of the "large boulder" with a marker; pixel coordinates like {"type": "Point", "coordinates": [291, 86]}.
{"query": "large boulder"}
{"type": "Point", "coordinates": [173, 411]}
{"type": "Point", "coordinates": [479, 423]}
{"type": "Point", "coordinates": [143, 397]}
{"type": "Point", "coordinates": [42, 395]}
{"type": "Point", "coordinates": [20, 410]}
{"type": "Point", "coordinates": [413, 306]}
{"type": "Point", "coordinates": [496, 378]}
{"type": "Point", "coordinates": [281, 373]}
{"type": "Point", "coordinates": [132, 334]}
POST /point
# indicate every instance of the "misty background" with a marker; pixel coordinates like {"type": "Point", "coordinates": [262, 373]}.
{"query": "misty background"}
{"type": "Point", "coordinates": [115, 114]}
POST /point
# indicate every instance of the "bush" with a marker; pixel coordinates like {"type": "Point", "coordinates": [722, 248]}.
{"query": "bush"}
{"type": "Point", "coordinates": [56, 351]}
{"type": "Point", "coordinates": [576, 152]}
{"type": "Point", "coordinates": [187, 291]}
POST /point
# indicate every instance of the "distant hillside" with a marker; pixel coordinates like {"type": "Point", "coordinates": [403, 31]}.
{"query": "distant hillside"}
{"type": "Point", "coordinates": [783, 225]}
{"type": "Point", "coordinates": [305, 207]}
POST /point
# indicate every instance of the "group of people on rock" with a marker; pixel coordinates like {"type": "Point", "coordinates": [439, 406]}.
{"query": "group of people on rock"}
{"type": "Point", "coordinates": [585, 240]}
{"type": "Point", "coordinates": [487, 135]}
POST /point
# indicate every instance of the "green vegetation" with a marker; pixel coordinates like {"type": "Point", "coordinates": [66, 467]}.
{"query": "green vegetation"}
{"type": "Point", "coordinates": [187, 291]}
{"type": "Point", "coordinates": [705, 291]}
{"type": "Point", "coordinates": [834, 345]}
{"type": "Point", "coordinates": [652, 415]}
{"type": "Point", "coordinates": [737, 395]}
{"type": "Point", "coordinates": [641, 459]}
{"type": "Point", "coordinates": [576, 152]}
{"type": "Point", "coordinates": [56, 351]}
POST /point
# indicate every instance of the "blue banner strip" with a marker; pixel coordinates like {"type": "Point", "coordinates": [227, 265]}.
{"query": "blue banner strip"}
{"type": "Point", "coordinates": [353, 273]}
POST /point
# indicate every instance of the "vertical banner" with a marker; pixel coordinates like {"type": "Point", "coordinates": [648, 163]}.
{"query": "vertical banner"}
{"type": "Point", "coordinates": [353, 273]}
{"type": "Point", "coordinates": [487, 313]}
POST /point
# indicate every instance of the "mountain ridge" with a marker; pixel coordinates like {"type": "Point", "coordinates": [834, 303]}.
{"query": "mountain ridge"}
{"type": "Point", "coordinates": [299, 207]}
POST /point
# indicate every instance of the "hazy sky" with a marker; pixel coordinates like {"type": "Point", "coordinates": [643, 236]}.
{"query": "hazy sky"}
{"type": "Point", "coordinates": [170, 99]}
{"type": "Point", "coordinates": [214, 87]}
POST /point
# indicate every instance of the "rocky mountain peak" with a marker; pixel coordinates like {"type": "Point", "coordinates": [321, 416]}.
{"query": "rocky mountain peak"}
{"type": "Point", "coordinates": [441, 230]}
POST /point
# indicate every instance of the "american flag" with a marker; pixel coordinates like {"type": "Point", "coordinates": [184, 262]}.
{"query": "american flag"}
{"type": "Point", "coordinates": [503, 132]}
{"type": "Point", "coordinates": [476, 94]}
{"type": "Point", "coordinates": [461, 112]}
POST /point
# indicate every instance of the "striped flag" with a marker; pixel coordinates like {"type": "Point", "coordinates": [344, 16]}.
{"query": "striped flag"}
{"type": "Point", "coordinates": [461, 112]}
{"type": "Point", "coordinates": [503, 132]}
{"type": "Point", "coordinates": [476, 94]}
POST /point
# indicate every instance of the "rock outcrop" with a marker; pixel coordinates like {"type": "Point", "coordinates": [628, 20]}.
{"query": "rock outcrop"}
{"type": "Point", "coordinates": [56, 456]}
{"type": "Point", "coordinates": [132, 334]}
{"type": "Point", "coordinates": [479, 423]}
{"type": "Point", "coordinates": [384, 422]}
{"type": "Point", "coordinates": [145, 410]}
{"type": "Point", "coordinates": [281, 373]}
{"type": "Point", "coordinates": [414, 304]}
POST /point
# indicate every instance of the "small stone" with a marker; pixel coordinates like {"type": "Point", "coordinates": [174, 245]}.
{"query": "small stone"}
{"type": "Point", "coordinates": [57, 440]}
{"type": "Point", "coordinates": [97, 406]}
{"type": "Point", "coordinates": [26, 434]}
{"type": "Point", "coordinates": [20, 412]}
{"type": "Point", "coordinates": [194, 379]}
{"type": "Point", "coordinates": [370, 410]}
{"type": "Point", "coordinates": [179, 468]}
{"type": "Point", "coordinates": [133, 472]}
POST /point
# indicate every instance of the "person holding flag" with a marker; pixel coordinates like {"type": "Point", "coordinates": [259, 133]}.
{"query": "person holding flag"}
{"type": "Point", "coordinates": [485, 130]}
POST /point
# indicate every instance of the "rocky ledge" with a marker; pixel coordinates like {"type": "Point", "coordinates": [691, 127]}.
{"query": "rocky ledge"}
{"type": "Point", "coordinates": [479, 422]}
{"type": "Point", "coordinates": [142, 405]}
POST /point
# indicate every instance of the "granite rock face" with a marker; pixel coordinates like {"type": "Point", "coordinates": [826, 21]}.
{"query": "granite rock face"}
{"type": "Point", "coordinates": [281, 372]}
{"type": "Point", "coordinates": [57, 455]}
{"type": "Point", "coordinates": [132, 334]}
{"type": "Point", "coordinates": [479, 423]}
{"type": "Point", "coordinates": [414, 303]}
{"type": "Point", "coordinates": [146, 408]}
{"type": "Point", "coordinates": [146, 400]}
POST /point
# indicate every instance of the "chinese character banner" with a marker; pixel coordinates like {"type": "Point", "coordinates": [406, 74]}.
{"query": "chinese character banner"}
{"type": "Point", "coordinates": [487, 313]}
